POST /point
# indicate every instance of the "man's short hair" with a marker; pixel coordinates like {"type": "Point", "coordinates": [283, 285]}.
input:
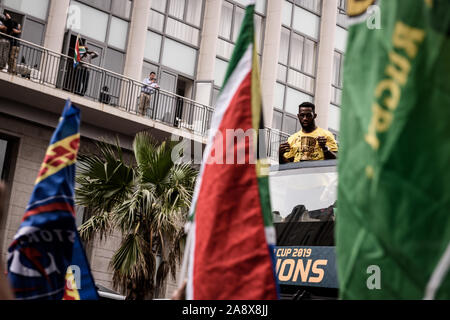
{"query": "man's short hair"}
{"type": "Point", "coordinates": [307, 105]}
{"type": "Point", "coordinates": [153, 72]}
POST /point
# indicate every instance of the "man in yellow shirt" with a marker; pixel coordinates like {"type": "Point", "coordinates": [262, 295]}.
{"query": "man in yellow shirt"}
{"type": "Point", "coordinates": [311, 142]}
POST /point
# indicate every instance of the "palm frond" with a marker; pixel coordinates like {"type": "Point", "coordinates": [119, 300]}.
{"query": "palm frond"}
{"type": "Point", "coordinates": [99, 224]}
{"type": "Point", "coordinates": [103, 181]}
{"type": "Point", "coordinates": [136, 208]}
{"type": "Point", "coordinates": [134, 261]}
{"type": "Point", "coordinates": [158, 165]}
{"type": "Point", "coordinates": [144, 147]}
{"type": "Point", "coordinates": [175, 254]}
{"type": "Point", "coordinates": [161, 277]}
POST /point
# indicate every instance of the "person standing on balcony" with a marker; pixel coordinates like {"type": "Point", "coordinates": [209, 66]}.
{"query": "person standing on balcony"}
{"type": "Point", "coordinates": [311, 142]}
{"type": "Point", "coordinates": [150, 85]}
{"type": "Point", "coordinates": [82, 72]}
{"type": "Point", "coordinates": [4, 43]}
{"type": "Point", "coordinates": [14, 29]}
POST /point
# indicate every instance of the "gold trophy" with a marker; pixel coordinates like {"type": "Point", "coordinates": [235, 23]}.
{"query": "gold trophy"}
{"type": "Point", "coordinates": [308, 145]}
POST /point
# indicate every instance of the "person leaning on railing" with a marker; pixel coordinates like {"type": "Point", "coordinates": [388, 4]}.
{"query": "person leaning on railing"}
{"type": "Point", "coordinates": [150, 85]}
{"type": "Point", "coordinates": [311, 142]}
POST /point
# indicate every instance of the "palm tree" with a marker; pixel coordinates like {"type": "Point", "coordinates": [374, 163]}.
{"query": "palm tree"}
{"type": "Point", "coordinates": [147, 203]}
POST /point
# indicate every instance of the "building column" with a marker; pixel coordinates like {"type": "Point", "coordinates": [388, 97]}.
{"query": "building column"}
{"type": "Point", "coordinates": [207, 53]}
{"type": "Point", "coordinates": [325, 62]}
{"type": "Point", "coordinates": [269, 68]}
{"type": "Point", "coordinates": [137, 39]}
{"type": "Point", "coordinates": [54, 39]}
{"type": "Point", "coordinates": [56, 25]}
{"type": "Point", "coordinates": [210, 34]}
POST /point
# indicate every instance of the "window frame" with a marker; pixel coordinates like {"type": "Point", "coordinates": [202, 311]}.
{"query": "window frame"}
{"type": "Point", "coordinates": [340, 77]}
{"type": "Point", "coordinates": [287, 66]}
{"type": "Point", "coordinates": [167, 16]}
{"type": "Point", "coordinates": [11, 156]}
{"type": "Point", "coordinates": [105, 45]}
{"type": "Point", "coordinates": [27, 17]}
{"type": "Point", "coordinates": [316, 42]}
{"type": "Point", "coordinates": [165, 36]}
{"type": "Point", "coordinates": [230, 41]}
{"type": "Point", "coordinates": [11, 153]}
{"type": "Point", "coordinates": [3, 7]}
{"type": "Point", "coordinates": [284, 115]}
{"type": "Point", "coordinates": [295, 3]}
{"type": "Point", "coordinates": [341, 10]}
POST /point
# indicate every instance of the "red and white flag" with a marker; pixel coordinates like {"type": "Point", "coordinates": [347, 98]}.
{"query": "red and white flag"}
{"type": "Point", "coordinates": [231, 235]}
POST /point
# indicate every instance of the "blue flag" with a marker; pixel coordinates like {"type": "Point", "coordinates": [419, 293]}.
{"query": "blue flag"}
{"type": "Point", "coordinates": [46, 259]}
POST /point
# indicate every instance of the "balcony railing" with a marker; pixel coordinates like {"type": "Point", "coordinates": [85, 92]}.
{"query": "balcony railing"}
{"type": "Point", "coordinates": [273, 140]}
{"type": "Point", "coordinates": [56, 70]}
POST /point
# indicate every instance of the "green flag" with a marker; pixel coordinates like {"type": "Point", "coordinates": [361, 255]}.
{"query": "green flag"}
{"type": "Point", "coordinates": [393, 225]}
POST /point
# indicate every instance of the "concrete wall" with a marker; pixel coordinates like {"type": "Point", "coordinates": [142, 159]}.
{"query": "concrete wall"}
{"type": "Point", "coordinates": [100, 258]}
{"type": "Point", "coordinates": [172, 284]}
{"type": "Point", "coordinates": [31, 150]}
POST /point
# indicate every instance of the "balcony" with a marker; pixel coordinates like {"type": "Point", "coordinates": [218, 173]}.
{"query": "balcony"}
{"type": "Point", "coordinates": [41, 71]}
{"type": "Point", "coordinates": [51, 69]}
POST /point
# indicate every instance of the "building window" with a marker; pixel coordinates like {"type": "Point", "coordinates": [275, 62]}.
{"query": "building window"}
{"type": "Point", "coordinates": [219, 72]}
{"type": "Point", "coordinates": [103, 23]}
{"type": "Point", "coordinates": [180, 19]}
{"type": "Point", "coordinates": [306, 22]}
{"type": "Point", "coordinates": [312, 5]}
{"type": "Point", "coordinates": [122, 8]}
{"type": "Point", "coordinates": [103, 26]}
{"type": "Point", "coordinates": [8, 155]}
{"type": "Point", "coordinates": [3, 146]}
{"type": "Point", "coordinates": [336, 83]}
{"type": "Point", "coordinates": [93, 23]}
{"type": "Point", "coordinates": [340, 42]}
{"type": "Point", "coordinates": [173, 37]}
{"type": "Point", "coordinates": [341, 14]}
{"type": "Point", "coordinates": [32, 15]}
{"type": "Point", "coordinates": [338, 67]}
{"type": "Point", "coordinates": [178, 56]}
{"type": "Point", "coordinates": [298, 49]}
{"type": "Point", "coordinates": [172, 44]}
{"type": "Point", "coordinates": [277, 120]}
{"type": "Point", "coordinates": [8, 150]}
{"type": "Point", "coordinates": [153, 46]}
{"type": "Point", "coordinates": [118, 28]}
{"type": "Point", "coordinates": [232, 15]}
{"type": "Point", "coordinates": [334, 118]}
{"type": "Point", "coordinates": [230, 23]}
{"type": "Point", "coordinates": [35, 8]}
{"type": "Point", "coordinates": [297, 60]}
